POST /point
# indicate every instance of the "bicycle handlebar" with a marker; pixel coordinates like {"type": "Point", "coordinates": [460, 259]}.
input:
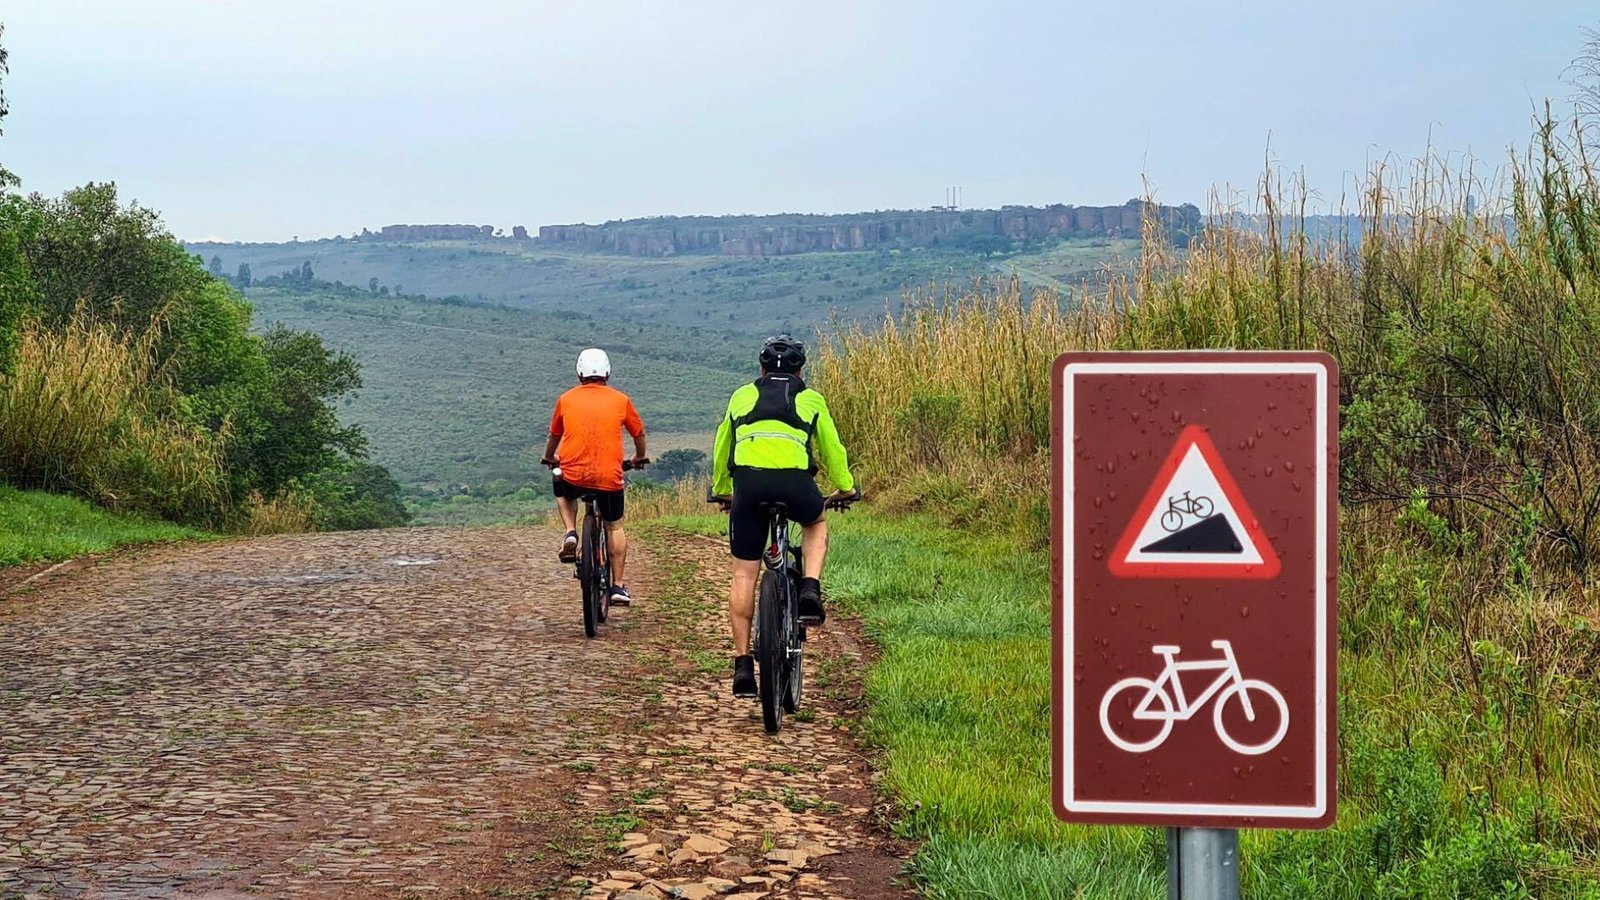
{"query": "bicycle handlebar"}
{"type": "Point", "coordinates": [628, 465]}
{"type": "Point", "coordinates": [842, 504]}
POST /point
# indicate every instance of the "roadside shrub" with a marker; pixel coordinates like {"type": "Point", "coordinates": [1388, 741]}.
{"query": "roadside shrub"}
{"type": "Point", "coordinates": [87, 412]}
{"type": "Point", "coordinates": [352, 495]}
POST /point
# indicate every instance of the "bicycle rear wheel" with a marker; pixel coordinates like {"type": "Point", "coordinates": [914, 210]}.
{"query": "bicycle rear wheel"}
{"type": "Point", "coordinates": [588, 575]}
{"type": "Point", "coordinates": [772, 649]}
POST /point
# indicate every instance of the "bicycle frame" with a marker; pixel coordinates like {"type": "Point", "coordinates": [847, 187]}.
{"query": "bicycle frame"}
{"type": "Point", "coordinates": [1184, 709]}
{"type": "Point", "coordinates": [779, 543]}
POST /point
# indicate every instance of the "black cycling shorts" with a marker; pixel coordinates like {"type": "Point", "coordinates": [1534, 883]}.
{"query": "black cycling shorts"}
{"type": "Point", "coordinates": [747, 525]}
{"type": "Point", "coordinates": [609, 503]}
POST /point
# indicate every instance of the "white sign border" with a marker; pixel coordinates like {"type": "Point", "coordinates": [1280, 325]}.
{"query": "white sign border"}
{"type": "Point", "coordinates": [1064, 661]}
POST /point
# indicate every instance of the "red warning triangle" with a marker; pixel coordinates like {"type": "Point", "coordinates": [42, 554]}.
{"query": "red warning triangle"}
{"type": "Point", "coordinates": [1194, 521]}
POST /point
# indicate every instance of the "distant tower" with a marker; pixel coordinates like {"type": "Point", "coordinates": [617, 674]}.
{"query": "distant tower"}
{"type": "Point", "coordinates": [1472, 205]}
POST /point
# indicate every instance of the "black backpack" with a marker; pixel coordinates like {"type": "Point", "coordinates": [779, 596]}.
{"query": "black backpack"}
{"type": "Point", "coordinates": [775, 402]}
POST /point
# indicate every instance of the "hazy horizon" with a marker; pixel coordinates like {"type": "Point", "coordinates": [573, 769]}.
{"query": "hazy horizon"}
{"type": "Point", "coordinates": [302, 121]}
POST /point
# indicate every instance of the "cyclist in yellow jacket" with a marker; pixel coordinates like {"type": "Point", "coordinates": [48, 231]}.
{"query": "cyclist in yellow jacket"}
{"type": "Point", "coordinates": [764, 454]}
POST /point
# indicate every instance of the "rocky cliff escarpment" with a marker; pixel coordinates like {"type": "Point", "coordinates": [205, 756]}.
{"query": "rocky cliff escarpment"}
{"type": "Point", "coordinates": [786, 235]}
{"type": "Point", "coordinates": [429, 233]}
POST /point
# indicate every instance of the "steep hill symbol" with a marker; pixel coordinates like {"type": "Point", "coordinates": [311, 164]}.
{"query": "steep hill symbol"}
{"type": "Point", "coordinates": [1194, 522]}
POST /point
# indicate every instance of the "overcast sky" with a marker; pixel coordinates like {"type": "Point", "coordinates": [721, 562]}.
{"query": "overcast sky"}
{"type": "Point", "coordinates": [259, 121]}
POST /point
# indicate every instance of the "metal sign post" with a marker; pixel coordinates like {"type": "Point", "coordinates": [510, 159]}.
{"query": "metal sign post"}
{"type": "Point", "coordinates": [1202, 864]}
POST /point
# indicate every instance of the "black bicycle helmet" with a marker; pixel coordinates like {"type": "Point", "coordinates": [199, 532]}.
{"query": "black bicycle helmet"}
{"type": "Point", "coordinates": [782, 354]}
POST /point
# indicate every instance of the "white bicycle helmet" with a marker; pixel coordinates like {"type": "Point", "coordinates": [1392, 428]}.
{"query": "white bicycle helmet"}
{"type": "Point", "coordinates": [593, 363]}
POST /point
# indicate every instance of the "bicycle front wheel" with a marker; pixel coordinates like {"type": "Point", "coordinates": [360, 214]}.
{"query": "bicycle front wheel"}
{"type": "Point", "coordinates": [589, 576]}
{"type": "Point", "coordinates": [772, 648]}
{"type": "Point", "coordinates": [602, 607]}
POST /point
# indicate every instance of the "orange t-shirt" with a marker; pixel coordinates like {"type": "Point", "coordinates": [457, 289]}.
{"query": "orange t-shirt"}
{"type": "Point", "coordinates": [590, 419]}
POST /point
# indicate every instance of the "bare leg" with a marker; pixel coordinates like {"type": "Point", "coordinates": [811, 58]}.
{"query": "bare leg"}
{"type": "Point", "coordinates": [569, 512]}
{"type": "Point", "coordinates": [814, 547]}
{"type": "Point", "coordinates": [742, 603]}
{"type": "Point", "coordinates": [618, 541]}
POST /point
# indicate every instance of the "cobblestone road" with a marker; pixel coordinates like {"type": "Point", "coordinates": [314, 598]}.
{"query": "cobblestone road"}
{"type": "Point", "coordinates": [405, 713]}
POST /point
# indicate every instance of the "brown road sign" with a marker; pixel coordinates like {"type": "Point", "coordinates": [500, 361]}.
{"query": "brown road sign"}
{"type": "Point", "coordinates": [1195, 578]}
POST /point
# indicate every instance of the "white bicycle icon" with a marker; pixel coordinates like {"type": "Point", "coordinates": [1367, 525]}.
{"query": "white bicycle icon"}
{"type": "Point", "coordinates": [1154, 701]}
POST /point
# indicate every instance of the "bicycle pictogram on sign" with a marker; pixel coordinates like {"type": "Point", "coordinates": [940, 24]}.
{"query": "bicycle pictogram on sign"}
{"type": "Point", "coordinates": [1162, 700]}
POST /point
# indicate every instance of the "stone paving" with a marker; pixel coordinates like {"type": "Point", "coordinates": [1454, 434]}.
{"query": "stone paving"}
{"type": "Point", "coordinates": [297, 715]}
{"type": "Point", "coordinates": [723, 809]}
{"type": "Point", "coordinates": [409, 713]}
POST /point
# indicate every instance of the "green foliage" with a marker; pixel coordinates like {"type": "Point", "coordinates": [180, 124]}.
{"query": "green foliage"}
{"type": "Point", "coordinates": [162, 346]}
{"type": "Point", "coordinates": [87, 411]}
{"type": "Point", "coordinates": [18, 294]}
{"type": "Point", "coordinates": [296, 430]}
{"type": "Point", "coordinates": [678, 464]}
{"type": "Point", "coordinates": [745, 296]}
{"type": "Point", "coordinates": [37, 527]}
{"type": "Point", "coordinates": [353, 494]}
{"type": "Point", "coordinates": [984, 243]}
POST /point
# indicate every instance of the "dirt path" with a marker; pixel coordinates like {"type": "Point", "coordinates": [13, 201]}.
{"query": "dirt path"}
{"type": "Point", "coordinates": [406, 713]}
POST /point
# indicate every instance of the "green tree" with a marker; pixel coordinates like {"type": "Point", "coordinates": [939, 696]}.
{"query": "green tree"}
{"type": "Point", "coordinates": [216, 266]}
{"type": "Point", "coordinates": [675, 465]}
{"type": "Point", "coordinates": [243, 278]}
{"type": "Point", "coordinates": [302, 433]}
{"type": "Point", "coordinates": [116, 262]}
{"type": "Point", "coordinates": [18, 293]}
{"type": "Point", "coordinates": [7, 180]}
{"type": "Point", "coordinates": [372, 284]}
{"type": "Point", "coordinates": [16, 287]}
{"type": "Point", "coordinates": [354, 494]}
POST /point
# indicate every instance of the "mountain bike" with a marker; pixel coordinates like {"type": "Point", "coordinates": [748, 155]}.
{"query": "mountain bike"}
{"type": "Point", "coordinates": [593, 568]}
{"type": "Point", "coordinates": [777, 633]}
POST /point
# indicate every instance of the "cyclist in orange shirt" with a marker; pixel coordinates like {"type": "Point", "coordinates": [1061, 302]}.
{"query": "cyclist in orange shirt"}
{"type": "Point", "coordinates": [586, 443]}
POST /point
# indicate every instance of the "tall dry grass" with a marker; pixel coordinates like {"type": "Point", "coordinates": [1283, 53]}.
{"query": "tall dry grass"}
{"type": "Point", "coordinates": [287, 513]}
{"type": "Point", "coordinates": [686, 497]}
{"type": "Point", "coordinates": [1469, 347]}
{"type": "Point", "coordinates": [87, 411]}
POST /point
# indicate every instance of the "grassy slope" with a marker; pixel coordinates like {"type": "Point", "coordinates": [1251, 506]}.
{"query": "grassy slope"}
{"type": "Point", "coordinates": [459, 394]}
{"type": "Point", "coordinates": [37, 527]}
{"type": "Point", "coordinates": [745, 295]}
{"type": "Point", "coordinates": [456, 395]}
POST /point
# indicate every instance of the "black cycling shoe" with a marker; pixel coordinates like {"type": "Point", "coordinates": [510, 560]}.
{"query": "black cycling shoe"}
{"type": "Point", "coordinates": [811, 611]}
{"type": "Point", "coordinates": [621, 597]}
{"type": "Point", "coordinates": [569, 548]}
{"type": "Point", "coordinates": [744, 676]}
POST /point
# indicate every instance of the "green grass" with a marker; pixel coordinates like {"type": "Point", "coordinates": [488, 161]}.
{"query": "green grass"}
{"type": "Point", "coordinates": [959, 705]}
{"type": "Point", "coordinates": [37, 527]}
